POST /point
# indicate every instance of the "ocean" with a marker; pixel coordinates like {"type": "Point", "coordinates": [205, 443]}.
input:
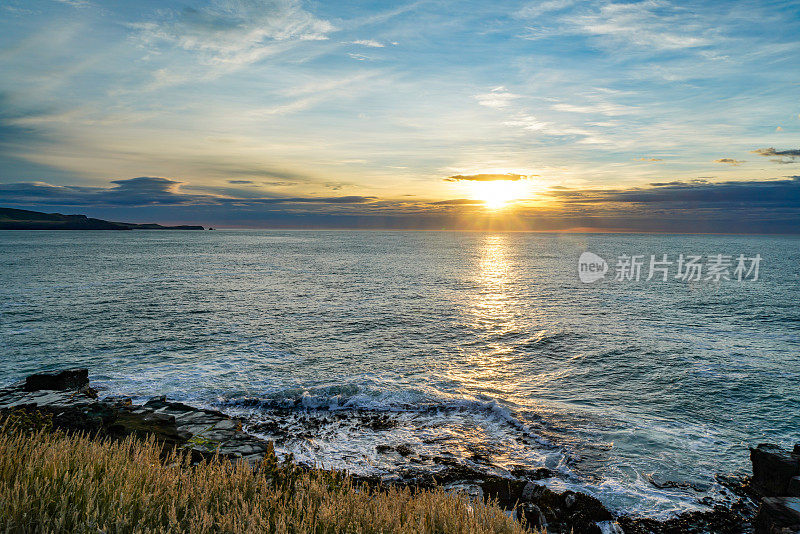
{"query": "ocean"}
{"type": "Point", "coordinates": [382, 351]}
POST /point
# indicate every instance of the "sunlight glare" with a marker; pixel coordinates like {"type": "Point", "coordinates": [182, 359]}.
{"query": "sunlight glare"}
{"type": "Point", "coordinates": [498, 194]}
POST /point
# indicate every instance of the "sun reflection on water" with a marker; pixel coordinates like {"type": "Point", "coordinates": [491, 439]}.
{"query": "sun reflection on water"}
{"type": "Point", "coordinates": [494, 278]}
{"type": "Point", "coordinates": [492, 313]}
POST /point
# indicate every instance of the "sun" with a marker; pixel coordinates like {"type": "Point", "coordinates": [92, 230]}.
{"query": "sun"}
{"type": "Point", "coordinates": [497, 194]}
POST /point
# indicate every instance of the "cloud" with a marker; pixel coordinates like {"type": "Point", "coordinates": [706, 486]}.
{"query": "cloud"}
{"type": "Point", "coordinates": [647, 25]}
{"type": "Point", "coordinates": [76, 3]}
{"type": "Point", "coordinates": [679, 182]}
{"type": "Point", "coordinates": [767, 152]}
{"type": "Point", "coordinates": [676, 206]}
{"type": "Point", "coordinates": [648, 159]}
{"type": "Point", "coordinates": [775, 193]}
{"type": "Point", "coordinates": [242, 182]}
{"type": "Point", "coordinates": [141, 191]}
{"type": "Point", "coordinates": [497, 98]}
{"type": "Point", "coordinates": [235, 31]}
{"type": "Point", "coordinates": [459, 202]}
{"type": "Point", "coordinates": [350, 199]}
{"type": "Point", "coordinates": [148, 191]}
{"type": "Point", "coordinates": [368, 42]}
{"type": "Point", "coordinates": [536, 9]}
{"type": "Point", "coordinates": [730, 161]}
{"type": "Point", "coordinates": [603, 108]}
{"type": "Point", "coordinates": [485, 177]}
{"type": "Point", "coordinates": [790, 155]}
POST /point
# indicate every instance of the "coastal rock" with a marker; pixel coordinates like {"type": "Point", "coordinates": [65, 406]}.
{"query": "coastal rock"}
{"type": "Point", "coordinates": [778, 515]}
{"type": "Point", "coordinates": [67, 399]}
{"type": "Point", "coordinates": [718, 520]}
{"type": "Point", "coordinates": [563, 512]}
{"type": "Point", "coordinates": [62, 380]}
{"type": "Point", "coordinates": [794, 487]}
{"type": "Point", "coordinates": [506, 491]}
{"type": "Point", "coordinates": [530, 491]}
{"type": "Point", "coordinates": [773, 468]}
{"type": "Point", "coordinates": [533, 516]}
{"type": "Point", "coordinates": [206, 433]}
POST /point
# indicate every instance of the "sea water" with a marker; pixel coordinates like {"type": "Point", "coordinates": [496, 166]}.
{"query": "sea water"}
{"type": "Point", "coordinates": [486, 349]}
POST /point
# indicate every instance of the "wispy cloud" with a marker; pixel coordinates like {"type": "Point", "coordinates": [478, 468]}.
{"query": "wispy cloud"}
{"type": "Point", "coordinates": [485, 177]}
{"type": "Point", "coordinates": [235, 32]}
{"type": "Point", "coordinates": [76, 3]}
{"type": "Point", "coordinates": [499, 97]}
{"type": "Point", "coordinates": [459, 202]}
{"type": "Point", "coordinates": [537, 9]}
{"type": "Point", "coordinates": [730, 161]}
{"type": "Point", "coordinates": [602, 108]}
{"type": "Point", "coordinates": [653, 24]}
{"type": "Point", "coordinates": [368, 42]}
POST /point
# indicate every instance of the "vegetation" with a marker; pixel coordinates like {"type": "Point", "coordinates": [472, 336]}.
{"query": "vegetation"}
{"type": "Point", "coordinates": [53, 482]}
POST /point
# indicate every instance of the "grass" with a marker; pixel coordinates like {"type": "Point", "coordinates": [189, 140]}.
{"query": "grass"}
{"type": "Point", "coordinates": [53, 482]}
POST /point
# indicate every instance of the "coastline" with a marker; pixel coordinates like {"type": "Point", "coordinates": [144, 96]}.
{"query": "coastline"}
{"type": "Point", "coordinates": [76, 407]}
{"type": "Point", "coordinates": [17, 219]}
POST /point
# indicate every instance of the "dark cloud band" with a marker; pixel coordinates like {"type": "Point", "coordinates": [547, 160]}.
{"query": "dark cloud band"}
{"type": "Point", "coordinates": [145, 191]}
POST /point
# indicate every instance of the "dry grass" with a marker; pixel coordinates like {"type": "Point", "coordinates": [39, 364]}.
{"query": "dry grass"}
{"type": "Point", "coordinates": [51, 482]}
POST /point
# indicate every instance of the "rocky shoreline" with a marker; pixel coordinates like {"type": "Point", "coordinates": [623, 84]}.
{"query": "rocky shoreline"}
{"type": "Point", "coordinates": [766, 503]}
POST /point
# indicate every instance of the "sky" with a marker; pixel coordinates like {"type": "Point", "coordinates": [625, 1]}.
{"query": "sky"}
{"type": "Point", "coordinates": [559, 115]}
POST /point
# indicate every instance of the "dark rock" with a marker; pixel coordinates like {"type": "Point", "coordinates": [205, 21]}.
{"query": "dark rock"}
{"type": "Point", "coordinates": [719, 520]}
{"type": "Point", "coordinates": [796, 448]}
{"type": "Point", "coordinates": [156, 402]}
{"type": "Point", "coordinates": [532, 515]}
{"type": "Point", "coordinates": [63, 380]}
{"type": "Point", "coordinates": [506, 491]}
{"type": "Point", "coordinates": [531, 474]}
{"type": "Point", "coordinates": [531, 492]}
{"type": "Point", "coordinates": [773, 468]}
{"type": "Point", "coordinates": [564, 512]}
{"type": "Point", "coordinates": [778, 515]}
{"type": "Point", "coordinates": [404, 450]}
{"type": "Point", "coordinates": [89, 391]}
{"type": "Point", "coordinates": [794, 487]}
{"type": "Point", "coordinates": [378, 422]}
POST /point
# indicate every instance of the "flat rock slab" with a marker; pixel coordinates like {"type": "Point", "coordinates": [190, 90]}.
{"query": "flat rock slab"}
{"type": "Point", "coordinates": [778, 515]}
{"type": "Point", "coordinates": [773, 469]}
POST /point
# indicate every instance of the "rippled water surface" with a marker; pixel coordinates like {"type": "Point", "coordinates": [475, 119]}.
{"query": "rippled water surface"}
{"type": "Point", "coordinates": [482, 348]}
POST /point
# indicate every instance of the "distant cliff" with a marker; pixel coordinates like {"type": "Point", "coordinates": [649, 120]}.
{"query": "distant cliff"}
{"type": "Point", "coordinates": [14, 219]}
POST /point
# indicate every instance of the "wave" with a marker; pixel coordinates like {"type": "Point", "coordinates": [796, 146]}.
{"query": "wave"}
{"type": "Point", "coordinates": [377, 432]}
